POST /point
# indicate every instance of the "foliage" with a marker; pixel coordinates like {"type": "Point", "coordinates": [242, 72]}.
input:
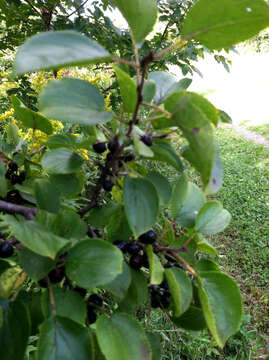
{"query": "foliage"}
{"type": "Point", "coordinates": [101, 230]}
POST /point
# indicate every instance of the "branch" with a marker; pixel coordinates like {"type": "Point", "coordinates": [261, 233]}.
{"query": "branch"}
{"type": "Point", "coordinates": [29, 213]}
{"type": "Point", "coordinates": [183, 262]}
{"type": "Point", "coordinates": [77, 9]}
{"type": "Point", "coordinates": [34, 8]}
{"type": "Point", "coordinates": [157, 108]}
{"type": "Point", "coordinates": [123, 61]}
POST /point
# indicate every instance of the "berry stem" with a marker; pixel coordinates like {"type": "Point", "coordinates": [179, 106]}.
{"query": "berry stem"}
{"type": "Point", "coordinates": [10, 208]}
{"type": "Point", "coordinates": [184, 263]}
{"type": "Point", "coordinates": [52, 301]}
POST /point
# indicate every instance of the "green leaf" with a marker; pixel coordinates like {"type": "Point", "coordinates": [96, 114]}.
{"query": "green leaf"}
{"type": "Point", "coordinates": [119, 286]}
{"type": "Point", "coordinates": [141, 148]}
{"type": "Point", "coordinates": [8, 279]}
{"type": "Point", "coordinates": [61, 161]}
{"type": "Point", "coordinates": [3, 182]}
{"type": "Point", "coordinates": [36, 314]}
{"type": "Point", "coordinates": [181, 290]}
{"type": "Point", "coordinates": [47, 196]}
{"type": "Point", "coordinates": [69, 224]}
{"type": "Point", "coordinates": [191, 203]}
{"type": "Point", "coordinates": [56, 49]}
{"type": "Point", "coordinates": [149, 91]}
{"type": "Point", "coordinates": [127, 90]}
{"type": "Point", "coordinates": [155, 344]}
{"type": "Point", "coordinates": [99, 217]}
{"type": "Point", "coordinates": [12, 134]}
{"type": "Point", "coordinates": [67, 185]}
{"type": "Point", "coordinates": [166, 84]}
{"type": "Point", "coordinates": [180, 191]}
{"type": "Point", "coordinates": [225, 118]}
{"type": "Point", "coordinates": [193, 319]}
{"type": "Point", "coordinates": [73, 101]}
{"type": "Point", "coordinates": [118, 228]}
{"type": "Point", "coordinates": [121, 337]}
{"type": "Point", "coordinates": [35, 236]}
{"type": "Point", "coordinates": [36, 266]}
{"type": "Point", "coordinates": [61, 140]}
{"type": "Point", "coordinates": [212, 218]}
{"type": "Point", "coordinates": [156, 269]}
{"type": "Point", "coordinates": [225, 23]}
{"type": "Point", "coordinates": [204, 246]}
{"type": "Point", "coordinates": [221, 303]}
{"type": "Point", "coordinates": [137, 292]}
{"type": "Point", "coordinates": [68, 304]}
{"type": "Point", "coordinates": [31, 119]}
{"type": "Point", "coordinates": [206, 265]}
{"type": "Point", "coordinates": [141, 16]}
{"type": "Point", "coordinates": [141, 203]}
{"type": "Point", "coordinates": [162, 186]}
{"type": "Point", "coordinates": [14, 331]}
{"type": "Point", "coordinates": [92, 263]}
{"type": "Point", "coordinates": [199, 132]}
{"type": "Point", "coordinates": [62, 338]}
{"type": "Point", "coordinates": [164, 151]}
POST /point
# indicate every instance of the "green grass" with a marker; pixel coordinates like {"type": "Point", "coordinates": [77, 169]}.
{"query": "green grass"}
{"type": "Point", "coordinates": [243, 253]}
{"type": "Point", "coordinates": [261, 129]}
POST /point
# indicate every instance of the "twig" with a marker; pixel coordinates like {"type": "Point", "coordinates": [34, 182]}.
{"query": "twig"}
{"type": "Point", "coordinates": [34, 8]}
{"type": "Point", "coordinates": [136, 60]}
{"type": "Point", "coordinates": [183, 262]}
{"type": "Point", "coordinates": [77, 9]}
{"type": "Point", "coordinates": [186, 243]}
{"type": "Point", "coordinates": [181, 42]}
{"type": "Point", "coordinates": [157, 108]}
{"type": "Point", "coordinates": [123, 61]}
{"type": "Point", "coordinates": [43, 147]}
{"type": "Point", "coordinates": [52, 301]}
{"type": "Point", "coordinates": [29, 213]}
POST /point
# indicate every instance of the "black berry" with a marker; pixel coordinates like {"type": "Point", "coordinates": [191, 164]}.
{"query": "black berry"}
{"type": "Point", "coordinates": [22, 176]}
{"type": "Point", "coordinates": [146, 139]}
{"type": "Point", "coordinates": [165, 301]}
{"type": "Point", "coordinates": [99, 147]}
{"type": "Point", "coordinates": [136, 261]}
{"type": "Point", "coordinates": [154, 302]}
{"type": "Point", "coordinates": [13, 166]}
{"type": "Point", "coordinates": [8, 174]}
{"type": "Point", "coordinates": [80, 291]}
{"type": "Point", "coordinates": [148, 238]}
{"type": "Point", "coordinates": [57, 275]}
{"type": "Point", "coordinates": [6, 250]}
{"type": "Point", "coordinates": [108, 185]}
{"type": "Point", "coordinates": [129, 157]}
{"type": "Point", "coordinates": [43, 283]}
{"type": "Point", "coordinates": [133, 248]}
{"type": "Point", "coordinates": [14, 179]}
{"type": "Point", "coordinates": [91, 315]}
{"type": "Point", "coordinates": [96, 300]}
{"type": "Point", "coordinates": [145, 261]}
{"type": "Point", "coordinates": [123, 246]}
{"type": "Point", "coordinates": [113, 145]}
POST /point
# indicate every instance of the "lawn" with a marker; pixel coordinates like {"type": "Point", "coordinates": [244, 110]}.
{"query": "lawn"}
{"type": "Point", "coordinates": [243, 253]}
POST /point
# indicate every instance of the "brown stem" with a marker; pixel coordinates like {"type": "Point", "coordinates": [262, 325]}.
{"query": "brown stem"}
{"type": "Point", "coordinates": [183, 262]}
{"type": "Point", "coordinates": [186, 243]}
{"type": "Point", "coordinates": [43, 147]}
{"type": "Point", "coordinates": [32, 6]}
{"type": "Point", "coordinates": [77, 9]}
{"type": "Point", "coordinates": [10, 208]}
{"type": "Point", "coordinates": [123, 61]}
{"type": "Point", "coordinates": [52, 301]}
{"type": "Point", "coordinates": [157, 108]}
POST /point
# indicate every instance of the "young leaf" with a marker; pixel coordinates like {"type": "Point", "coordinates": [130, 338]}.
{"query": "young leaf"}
{"type": "Point", "coordinates": [61, 161]}
{"type": "Point", "coordinates": [47, 196]}
{"type": "Point", "coordinates": [193, 319]}
{"type": "Point", "coordinates": [92, 263]}
{"type": "Point", "coordinates": [156, 269]}
{"type": "Point", "coordinates": [56, 49]}
{"type": "Point", "coordinates": [34, 265]}
{"type": "Point", "coordinates": [164, 151]}
{"type": "Point", "coordinates": [73, 101]}
{"type": "Point", "coordinates": [141, 16]}
{"type": "Point", "coordinates": [31, 119]}
{"type": "Point", "coordinates": [127, 90]}
{"type": "Point", "coordinates": [62, 338]}
{"type": "Point", "coordinates": [68, 304]}
{"type": "Point", "coordinates": [119, 286]}
{"type": "Point", "coordinates": [121, 337]}
{"type": "Point", "coordinates": [212, 218]}
{"type": "Point", "coordinates": [224, 23]}
{"type": "Point", "coordinates": [141, 203]}
{"type": "Point", "coordinates": [162, 186]}
{"type": "Point", "coordinates": [35, 236]}
{"type": "Point", "coordinates": [14, 330]}
{"type": "Point", "coordinates": [204, 246]}
{"type": "Point", "coordinates": [181, 290]}
{"type": "Point", "coordinates": [221, 303]}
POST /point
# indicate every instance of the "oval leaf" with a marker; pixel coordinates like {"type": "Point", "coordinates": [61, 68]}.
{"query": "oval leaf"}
{"type": "Point", "coordinates": [93, 263]}
{"type": "Point", "coordinates": [181, 289]}
{"type": "Point", "coordinates": [221, 303]}
{"type": "Point", "coordinates": [212, 218]}
{"type": "Point", "coordinates": [56, 49]}
{"type": "Point", "coordinates": [156, 269]}
{"type": "Point", "coordinates": [61, 161]}
{"type": "Point", "coordinates": [164, 151]}
{"type": "Point", "coordinates": [192, 319]}
{"type": "Point", "coordinates": [62, 338]}
{"type": "Point", "coordinates": [47, 196]}
{"type": "Point", "coordinates": [121, 337]}
{"type": "Point", "coordinates": [161, 184]}
{"type": "Point", "coordinates": [141, 203]}
{"type": "Point", "coordinates": [127, 90]}
{"type": "Point", "coordinates": [73, 101]}
{"type": "Point", "coordinates": [119, 286]}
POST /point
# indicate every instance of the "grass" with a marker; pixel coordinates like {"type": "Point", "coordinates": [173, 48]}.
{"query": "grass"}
{"type": "Point", "coordinates": [261, 129]}
{"type": "Point", "coordinates": [243, 253]}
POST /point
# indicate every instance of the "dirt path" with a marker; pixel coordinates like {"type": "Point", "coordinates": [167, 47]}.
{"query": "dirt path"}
{"type": "Point", "coordinates": [250, 135]}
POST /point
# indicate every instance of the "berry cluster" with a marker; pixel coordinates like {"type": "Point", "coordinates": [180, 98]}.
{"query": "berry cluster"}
{"type": "Point", "coordinates": [6, 250]}
{"type": "Point", "coordinates": [138, 257]}
{"type": "Point", "coordinates": [160, 295]}
{"type": "Point", "coordinates": [13, 175]}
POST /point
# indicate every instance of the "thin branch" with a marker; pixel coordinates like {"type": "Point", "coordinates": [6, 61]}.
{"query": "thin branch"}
{"type": "Point", "coordinates": [183, 262]}
{"type": "Point", "coordinates": [77, 9]}
{"type": "Point", "coordinates": [136, 60]}
{"type": "Point", "coordinates": [52, 301]}
{"type": "Point", "coordinates": [178, 44]}
{"type": "Point", "coordinates": [43, 147]}
{"type": "Point", "coordinates": [34, 8]}
{"type": "Point", "coordinates": [29, 213]}
{"type": "Point", "coordinates": [186, 243]}
{"type": "Point", "coordinates": [123, 61]}
{"type": "Point", "coordinates": [157, 108]}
